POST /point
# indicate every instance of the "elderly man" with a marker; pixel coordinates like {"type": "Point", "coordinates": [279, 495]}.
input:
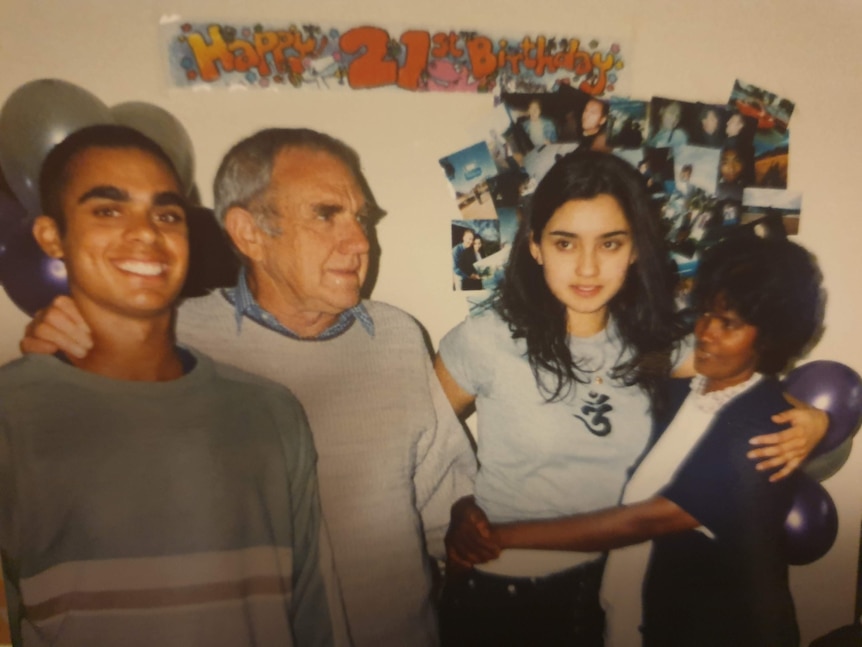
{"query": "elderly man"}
{"type": "Point", "coordinates": [148, 495]}
{"type": "Point", "coordinates": [392, 455]}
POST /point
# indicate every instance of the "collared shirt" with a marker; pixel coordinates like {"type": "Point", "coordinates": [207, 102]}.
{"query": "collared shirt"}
{"type": "Point", "coordinates": [245, 305]}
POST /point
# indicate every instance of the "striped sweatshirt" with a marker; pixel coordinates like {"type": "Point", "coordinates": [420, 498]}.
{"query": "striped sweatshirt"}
{"type": "Point", "coordinates": [178, 514]}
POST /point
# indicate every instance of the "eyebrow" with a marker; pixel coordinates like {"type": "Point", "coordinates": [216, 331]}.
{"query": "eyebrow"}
{"type": "Point", "coordinates": [105, 191]}
{"type": "Point", "coordinates": [326, 208]}
{"type": "Point", "coordinates": [569, 234]}
{"type": "Point", "coordinates": [110, 192]}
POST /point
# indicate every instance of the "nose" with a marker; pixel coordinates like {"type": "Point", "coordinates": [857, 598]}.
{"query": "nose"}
{"type": "Point", "coordinates": [142, 227]}
{"type": "Point", "coordinates": [587, 264]}
{"type": "Point", "coordinates": [355, 239]}
{"type": "Point", "coordinates": [705, 327]}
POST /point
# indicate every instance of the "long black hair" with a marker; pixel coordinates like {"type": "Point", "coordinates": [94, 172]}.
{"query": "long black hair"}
{"type": "Point", "coordinates": [642, 311]}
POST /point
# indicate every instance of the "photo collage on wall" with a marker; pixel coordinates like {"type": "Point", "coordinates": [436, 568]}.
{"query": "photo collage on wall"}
{"type": "Point", "coordinates": [708, 167]}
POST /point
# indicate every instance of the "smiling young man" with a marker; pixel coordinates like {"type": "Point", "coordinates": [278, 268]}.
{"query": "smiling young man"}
{"type": "Point", "coordinates": [149, 496]}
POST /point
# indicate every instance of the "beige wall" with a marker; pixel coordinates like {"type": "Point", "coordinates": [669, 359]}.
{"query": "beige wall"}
{"type": "Point", "coordinates": [691, 50]}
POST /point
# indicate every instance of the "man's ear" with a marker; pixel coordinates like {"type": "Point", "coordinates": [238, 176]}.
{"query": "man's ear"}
{"type": "Point", "coordinates": [243, 230]}
{"type": "Point", "coordinates": [47, 234]}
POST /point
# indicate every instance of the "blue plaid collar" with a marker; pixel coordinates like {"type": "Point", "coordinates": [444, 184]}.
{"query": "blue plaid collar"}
{"type": "Point", "coordinates": [245, 305]}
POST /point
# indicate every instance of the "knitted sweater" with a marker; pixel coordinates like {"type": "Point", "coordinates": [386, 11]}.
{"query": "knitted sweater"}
{"type": "Point", "coordinates": [392, 455]}
{"type": "Point", "coordinates": [180, 514]}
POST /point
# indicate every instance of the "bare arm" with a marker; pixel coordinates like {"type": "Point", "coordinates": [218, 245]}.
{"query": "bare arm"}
{"type": "Point", "coordinates": [58, 327]}
{"type": "Point", "coordinates": [600, 530]}
{"type": "Point", "coordinates": [784, 450]}
{"type": "Point", "coordinates": [458, 397]}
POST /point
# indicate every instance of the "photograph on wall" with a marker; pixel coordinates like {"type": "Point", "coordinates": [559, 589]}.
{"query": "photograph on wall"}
{"type": "Point", "coordinates": [710, 127]}
{"type": "Point", "coordinates": [468, 171]}
{"type": "Point", "coordinates": [627, 123]}
{"type": "Point", "coordinates": [536, 119]}
{"type": "Point", "coordinates": [497, 129]}
{"type": "Point", "coordinates": [477, 254]}
{"type": "Point", "coordinates": [671, 122]}
{"type": "Point", "coordinates": [771, 115]}
{"type": "Point", "coordinates": [584, 120]}
{"type": "Point", "coordinates": [771, 111]}
{"type": "Point", "coordinates": [770, 208]}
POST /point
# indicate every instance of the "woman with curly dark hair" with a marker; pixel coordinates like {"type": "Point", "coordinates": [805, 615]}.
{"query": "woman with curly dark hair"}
{"type": "Point", "coordinates": [567, 367]}
{"type": "Point", "coordinates": [715, 571]}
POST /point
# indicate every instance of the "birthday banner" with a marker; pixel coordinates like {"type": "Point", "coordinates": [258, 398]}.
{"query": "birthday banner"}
{"type": "Point", "coordinates": [210, 54]}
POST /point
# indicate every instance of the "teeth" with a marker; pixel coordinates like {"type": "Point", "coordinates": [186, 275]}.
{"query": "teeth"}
{"type": "Point", "coordinates": [143, 268]}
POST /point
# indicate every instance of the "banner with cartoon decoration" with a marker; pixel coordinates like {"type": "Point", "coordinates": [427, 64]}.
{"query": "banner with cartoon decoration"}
{"type": "Point", "coordinates": [204, 54]}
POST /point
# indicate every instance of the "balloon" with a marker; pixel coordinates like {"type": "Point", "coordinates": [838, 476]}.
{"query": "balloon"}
{"type": "Point", "coordinates": [834, 388]}
{"type": "Point", "coordinates": [30, 277]}
{"type": "Point", "coordinates": [12, 216]}
{"type": "Point", "coordinates": [35, 118]}
{"type": "Point", "coordinates": [823, 466]}
{"type": "Point", "coordinates": [164, 129]}
{"type": "Point", "coordinates": [212, 261]}
{"type": "Point", "coordinates": [812, 523]}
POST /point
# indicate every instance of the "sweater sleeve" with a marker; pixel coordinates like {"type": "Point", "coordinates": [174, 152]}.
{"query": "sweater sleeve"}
{"type": "Point", "coordinates": [445, 466]}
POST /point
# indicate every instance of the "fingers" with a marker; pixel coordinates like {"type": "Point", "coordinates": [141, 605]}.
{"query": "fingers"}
{"type": "Point", "coordinates": [32, 346]}
{"type": "Point", "coordinates": [58, 327]}
{"type": "Point", "coordinates": [795, 402]}
{"type": "Point", "coordinates": [785, 471]}
{"type": "Point", "coordinates": [472, 547]}
{"type": "Point", "coordinates": [779, 437]}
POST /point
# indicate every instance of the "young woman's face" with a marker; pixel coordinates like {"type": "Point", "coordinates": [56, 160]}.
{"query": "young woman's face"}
{"type": "Point", "coordinates": [585, 251]}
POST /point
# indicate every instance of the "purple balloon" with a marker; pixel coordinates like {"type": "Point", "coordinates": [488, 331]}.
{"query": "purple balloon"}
{"type": "Point", "coordinates": [30, 277]}
{"type": "Point", "coordinates": [12, 216]}
{"type": "Point", "coordinates": [812, 523]}
{"type": "Point", "coordinates": [834, 388]}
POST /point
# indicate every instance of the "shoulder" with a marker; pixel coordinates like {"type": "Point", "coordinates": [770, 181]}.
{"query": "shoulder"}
{"type": "Point", "coordinates": [242, 383]}
{"type": "Point", "coordinates": [204, 304]}
{"type": "Point", "coordinates": [765, 398]}
{"type": "Point", "coordinates": [25, 370]}
{"type": "Point", "coordinates": [387, 317]}
{"type": "Point", "coordinates": [750, 413]}
{"type": "Point", "coordinates": [480, 335]}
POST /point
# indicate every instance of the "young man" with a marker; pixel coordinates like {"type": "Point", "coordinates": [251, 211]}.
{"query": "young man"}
{"type": "Point", "coordinates": [149, 496]}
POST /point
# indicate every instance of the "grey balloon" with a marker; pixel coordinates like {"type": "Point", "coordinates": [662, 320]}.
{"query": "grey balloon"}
{"type": "Point", "coordinates": [35, 118]}
{"type": "Point", "coordinates": [824, 466]}
{"type": "Point", "coordinates": [163, 128]}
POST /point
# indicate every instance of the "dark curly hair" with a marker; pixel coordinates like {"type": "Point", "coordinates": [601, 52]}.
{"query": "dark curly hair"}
{"type": "Point", "coordinates": [773, 285]}
{"type": "Point", "coordinates": [642, 311]}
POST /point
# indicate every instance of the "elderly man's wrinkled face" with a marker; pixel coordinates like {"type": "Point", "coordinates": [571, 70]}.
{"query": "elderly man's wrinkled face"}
{"type": "Point", "coordinates": [318, 263]}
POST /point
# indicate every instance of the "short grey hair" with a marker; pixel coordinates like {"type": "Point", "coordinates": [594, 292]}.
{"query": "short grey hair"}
{"type": "Point", "coordinates": [244, 176]}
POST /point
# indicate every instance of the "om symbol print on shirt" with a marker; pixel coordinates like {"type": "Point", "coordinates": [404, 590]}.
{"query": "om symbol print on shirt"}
{"type": "Point", "coordinates": [595, 408]}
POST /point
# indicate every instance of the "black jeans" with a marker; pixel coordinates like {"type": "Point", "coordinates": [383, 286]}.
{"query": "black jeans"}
{"type": "Point", "coordinates": [482, 610]}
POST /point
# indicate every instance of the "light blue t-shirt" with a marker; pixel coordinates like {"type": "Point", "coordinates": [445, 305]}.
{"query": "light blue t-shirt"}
{"type": "Point", "coordinates": [541, 459]}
